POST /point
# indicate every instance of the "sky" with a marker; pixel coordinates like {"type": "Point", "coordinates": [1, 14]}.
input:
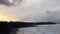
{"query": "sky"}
{"type": "Point", "coordinates": [34, 10]}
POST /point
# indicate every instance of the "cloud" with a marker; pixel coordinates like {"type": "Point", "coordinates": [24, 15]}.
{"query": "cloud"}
{"type": "Point", "coordinates": [10, 2]}
{"type": "Point", "coordinates": [36, 10]}
{"type": "Point", "coordinates": [48, 16]}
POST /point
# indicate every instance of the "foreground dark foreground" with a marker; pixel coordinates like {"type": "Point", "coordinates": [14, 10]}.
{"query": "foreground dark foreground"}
{"type": "Point", "coordinates": [8, 27]}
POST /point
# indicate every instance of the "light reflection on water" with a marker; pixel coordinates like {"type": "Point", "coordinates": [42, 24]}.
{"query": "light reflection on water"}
{"type": "Point", "coordinates": [43, 29]}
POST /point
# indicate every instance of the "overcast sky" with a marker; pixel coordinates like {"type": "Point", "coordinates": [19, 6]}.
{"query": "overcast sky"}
{"type": "Point", "coordinates": [36, 10]}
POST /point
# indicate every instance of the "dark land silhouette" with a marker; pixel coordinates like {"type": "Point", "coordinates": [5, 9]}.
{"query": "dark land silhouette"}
{"type": "Point", "coordinates": [7, 27]}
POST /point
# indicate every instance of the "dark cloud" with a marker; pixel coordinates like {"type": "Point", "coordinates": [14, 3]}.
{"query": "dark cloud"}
{"type": "Point", "coordinates": [49, 16]}
{"type": "Point", "coordinates": [6, 2]}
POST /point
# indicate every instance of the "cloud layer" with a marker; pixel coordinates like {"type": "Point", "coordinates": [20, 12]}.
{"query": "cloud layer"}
{"type": "Point", "coordinates": [36, 10]}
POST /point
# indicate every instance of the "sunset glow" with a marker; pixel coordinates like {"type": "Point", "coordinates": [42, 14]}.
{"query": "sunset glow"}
{"type": "Point", "coordinates": [8, 19]}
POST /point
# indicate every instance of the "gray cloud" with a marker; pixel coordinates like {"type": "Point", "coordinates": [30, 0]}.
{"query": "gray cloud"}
{"type": "Point", "coordinates": [37, 10]}
{"type": "Point", "coordinates": [8, 3]}
{"type": "Point", "coordinates": [48, 16]}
